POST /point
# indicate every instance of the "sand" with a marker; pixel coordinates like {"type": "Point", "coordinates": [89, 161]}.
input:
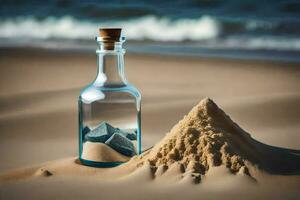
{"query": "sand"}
{"type": "Point", "coordinates": [100, 152]}
{"type": "Point", "coordinates": [205, 138]}
{"type": "Point", "coordinates": [38, 123]}
{"type": "Point", "coordinates": [206, 144]}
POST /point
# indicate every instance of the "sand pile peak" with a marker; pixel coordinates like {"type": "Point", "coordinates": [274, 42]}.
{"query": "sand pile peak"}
{"type": "Point", "coordinates": [204, 138]}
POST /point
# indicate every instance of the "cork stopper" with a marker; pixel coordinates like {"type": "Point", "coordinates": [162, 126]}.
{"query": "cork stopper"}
{"type": "Point", "coordinates": [109, 36]}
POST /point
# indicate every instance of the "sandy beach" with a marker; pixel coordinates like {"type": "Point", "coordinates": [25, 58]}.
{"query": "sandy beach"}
{"type": "Point", "coordinates": [38, 125]}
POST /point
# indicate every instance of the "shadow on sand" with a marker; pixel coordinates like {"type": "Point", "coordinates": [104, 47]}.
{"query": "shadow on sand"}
{"type": "Point", "coordinates": [277, 160]}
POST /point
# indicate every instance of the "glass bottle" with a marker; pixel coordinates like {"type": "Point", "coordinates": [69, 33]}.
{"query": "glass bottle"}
{"type": "Point", "coordinates": [109, 108]}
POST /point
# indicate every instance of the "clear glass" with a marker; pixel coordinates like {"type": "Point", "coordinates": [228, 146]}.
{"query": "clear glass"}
{"type": "Point", "coordinates": [109, 113]}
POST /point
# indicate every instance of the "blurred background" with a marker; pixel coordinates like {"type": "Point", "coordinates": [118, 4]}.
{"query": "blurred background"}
{"type": "Point", "coordinates": [263, 29]}
{"type": "Point", "coordinates": [244, 55]}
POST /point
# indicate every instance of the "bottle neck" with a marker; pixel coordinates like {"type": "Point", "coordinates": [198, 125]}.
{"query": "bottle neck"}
{"type": "Point", "coordinates": [110, 66]}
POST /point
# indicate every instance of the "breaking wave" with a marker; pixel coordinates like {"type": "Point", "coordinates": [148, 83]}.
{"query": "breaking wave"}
{"type": "Point", "coordinates": [205, 31]}
{"type": "Point", "coordinates": [143, 28]}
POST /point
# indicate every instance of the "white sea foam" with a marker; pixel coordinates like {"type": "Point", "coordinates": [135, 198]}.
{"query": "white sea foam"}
{"type": "Point", "coordinates": [260, 43]}
{"type": "Point", "coordinates": [29, 27]}
{"type": "Point", "coordinates": [149, 27]}
{"type": "Point", "coordinates": [145, 28]}
{"type": "Point", "coordinates": [166, 30]}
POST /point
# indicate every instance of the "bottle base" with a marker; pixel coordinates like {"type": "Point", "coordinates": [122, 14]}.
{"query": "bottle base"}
{"type": "Point", "coordinates": [99, 164]}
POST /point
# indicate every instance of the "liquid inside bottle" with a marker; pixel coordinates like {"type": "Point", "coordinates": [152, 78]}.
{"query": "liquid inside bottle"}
{"type": "Point", "coordinates": [109, 109]}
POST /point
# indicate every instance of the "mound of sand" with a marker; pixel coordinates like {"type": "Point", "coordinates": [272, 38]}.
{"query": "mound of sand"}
{"type": "Point", "coordinates": [97, 151]}
{"type": "Point", "coordinates": [204, 138]}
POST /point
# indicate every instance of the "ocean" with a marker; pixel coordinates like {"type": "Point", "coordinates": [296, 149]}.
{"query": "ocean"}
{"type": "Point", "coordinates": [250, 29]}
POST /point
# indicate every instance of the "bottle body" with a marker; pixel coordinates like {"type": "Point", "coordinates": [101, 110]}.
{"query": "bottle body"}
{"type": "Point", "coordinates": [116, 112]}
{"type": "Point", "coordinates": [109, 111]}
